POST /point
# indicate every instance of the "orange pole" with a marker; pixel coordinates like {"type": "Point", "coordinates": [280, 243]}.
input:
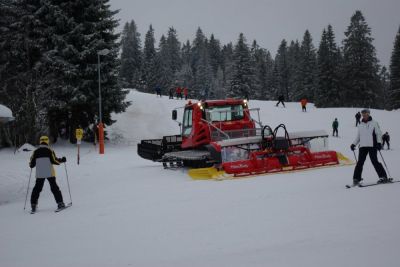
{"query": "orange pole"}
{"type": "Point", "coordinates": [101, 138]}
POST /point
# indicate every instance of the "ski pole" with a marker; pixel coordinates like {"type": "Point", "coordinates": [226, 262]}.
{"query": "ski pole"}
{"type": "Point", "coordinates": [385, 164]}
{"type": "Point", "coordinates": [66, 173]}
{"type": "Point", "coordinates": [27, 190]}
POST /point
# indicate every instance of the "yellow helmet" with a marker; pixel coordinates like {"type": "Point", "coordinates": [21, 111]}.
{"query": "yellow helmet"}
{"type": "Point", "coordinates": [44, 139]}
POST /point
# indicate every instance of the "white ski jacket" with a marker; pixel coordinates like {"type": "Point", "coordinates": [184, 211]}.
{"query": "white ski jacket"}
{"type": "Point", "coordinates": [369, 134]}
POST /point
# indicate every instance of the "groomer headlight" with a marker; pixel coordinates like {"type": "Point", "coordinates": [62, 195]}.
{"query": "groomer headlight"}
{"type": "Point", "coordinates": [200, 105]}
{"type": "Point", "coordinates": [245, 102]}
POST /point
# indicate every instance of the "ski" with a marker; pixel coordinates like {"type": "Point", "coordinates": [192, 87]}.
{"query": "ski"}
{"type": "Point", "coordinates": [66, 206]}
{"type": "Point", "coordinates": [373, 184]}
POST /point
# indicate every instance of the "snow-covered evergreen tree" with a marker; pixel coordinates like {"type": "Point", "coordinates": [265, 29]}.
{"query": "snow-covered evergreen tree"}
{"type": "Point", "coordinates": [227, 66]}
{"type": "Point", "coordinates": [307, 70]}
{"type": "Point", "coordinates": [26, 35]}
{"type": "Point", "coordinates": [281, 72]}
{"type": "Point", "coordinates": [384, 88]}
{"type": "Point", "coordinates": [243, 74]}
{"type": "Point", "coordinates": [329, 65]}
{"type": "Point", "coordinates": [394, 95]}
{"type": "Point", "coordinates": [149, 61]}
{"type": "Point", "coordinates": [261, 61]}
{"type": "Point", "coordinates": [174, 51]}
{"type": "Point", "coordinates": [214, 52]}
{"type": "Point", "coordinates": [164, 73]}
{"type": "Point", "coordinates": [360, 70]}
{"type": "Point", "coordinates": [293, 61]}
{"type": "Point", "coordinates": [131, 56]}
{"type": "Point", "coordinates": [185, 75]}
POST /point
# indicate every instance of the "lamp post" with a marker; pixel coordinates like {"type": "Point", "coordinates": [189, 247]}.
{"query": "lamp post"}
{"type": "Point", "coordinates": [101, 128]}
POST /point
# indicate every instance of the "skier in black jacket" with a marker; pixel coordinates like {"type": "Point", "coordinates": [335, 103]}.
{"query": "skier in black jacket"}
{"type": "Point", "coordinates": [386, 139]}
{"type": "Point", "coordinates": [43, 158]}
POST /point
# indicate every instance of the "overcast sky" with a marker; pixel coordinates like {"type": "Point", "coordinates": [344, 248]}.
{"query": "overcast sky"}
{"type": "Point", "coordinates": [267, 21]}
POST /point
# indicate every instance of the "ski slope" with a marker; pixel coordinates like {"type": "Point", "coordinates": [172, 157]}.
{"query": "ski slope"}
{"type": "Point", "coordinates": [130, 212]}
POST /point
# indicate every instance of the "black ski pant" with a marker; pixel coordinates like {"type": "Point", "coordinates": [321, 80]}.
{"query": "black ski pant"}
{"type": "Point", "coordinates": [39, 186]}
{"type": "Point", "coordinates": [335, 130]}
{"type": "Point", "coordinates": [280, 102]}
{"type": "Point", "coordinates": [303, 108]}
{"type": "Point", "coordinates": [373, 155]}
{"type": "Point", "coordinates": [387, 143]}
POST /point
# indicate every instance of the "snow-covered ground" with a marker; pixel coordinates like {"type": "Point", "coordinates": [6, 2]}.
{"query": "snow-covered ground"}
{"type": "Point", "coordinates": [130, 212]}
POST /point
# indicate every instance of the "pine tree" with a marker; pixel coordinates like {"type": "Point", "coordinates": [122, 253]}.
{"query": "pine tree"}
{"type": "Point", "coordinates": [214, 51]}
{"type": "Point", "coordinates": [394, 94]}
{"type": "Point", "coordinates": [293, 63]}
{"type": "Point", "coordinates": [281, 72]}
{"type": "Point", "coordinates": [174, 48]}
{"type": "Point", "coordinates": [149, 61]}
{"type": "Point", "coordinates": [384, 88]}
{"type": "Point", "coordinates": [24, 84]}
{"type": "Point", "coordinates": [185, 75]}
{"type": "Point", "coordinates": [131, 56]}
{"type": "Point", "coordinates": [307, 70]}
{"type": "Point", "coordinates": [85, 28]}
{"type": "Point", "coordinates": [243, 75]}
{"type": "Point", "coordinates": [328, 61]}
{"type": "Point", "coordinates": [164, 72]}
{"type": "Point", "coordinates": [226, 68]}
{"type": "Point", "coordinates": [201, 66]}
{"type": "Point", "coordinates": [360, 70]}
{"type": "Point", "coordinates": [261, 63]}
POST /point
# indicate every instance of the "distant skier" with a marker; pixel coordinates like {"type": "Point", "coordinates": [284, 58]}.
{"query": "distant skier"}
{"type": "Point", "coordinates": [246, 96]}
{"type": "Point", "coordinates": [281, 99]}
{"type": "Point", "coordinates": [186, 93]}
{"type": "Point", "coordinates": [386, 140]}
{"type": "Point", "coordinates": [43, 158]}
{"type": "Point", "coordinates": [158, 90]}
{"type": "Point", "coordinates": [303, 103]}
{"type": "Point", "coordinates": [171, 93]}
{"type": "Point", "coordinates": [358, 118]}
{"type": "Point", "coordinates": [369, 136]}
{"type": "Point", "coordinates": [335, 126]}
{"type": "Point", "coordinates": [178, 93]}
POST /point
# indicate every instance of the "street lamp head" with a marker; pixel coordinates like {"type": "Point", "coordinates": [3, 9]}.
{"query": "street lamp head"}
{"type": "Point", "coordinates": [103, 52]}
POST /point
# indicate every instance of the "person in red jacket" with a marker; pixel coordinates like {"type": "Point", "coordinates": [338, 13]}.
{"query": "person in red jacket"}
{"type": "Point", "coordinates": [186, 93]}
{"type": "Point", "coordinates": [178, 92]}
{"type": "Point", "coordinates": [303, 105]}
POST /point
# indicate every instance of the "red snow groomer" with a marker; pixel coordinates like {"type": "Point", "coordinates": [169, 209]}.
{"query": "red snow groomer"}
{"type": "Point", "coordinates": [220, 137]}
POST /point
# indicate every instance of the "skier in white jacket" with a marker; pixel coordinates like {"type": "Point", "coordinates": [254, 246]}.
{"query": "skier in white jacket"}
{"type": "Point", "coordinates": [369, 136]}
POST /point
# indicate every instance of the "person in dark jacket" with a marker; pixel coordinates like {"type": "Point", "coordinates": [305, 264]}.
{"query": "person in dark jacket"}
{"type": "Point", "coordinates": [386, 140]}
{"type": "Point", "coordinates": [369, 136]}
{"type": "Point", "coordinates": [281, 99]}
{"type": "Point", "coordinates": [43, 158]}
{"type": "Point", "coordinates": [358, 118]}
{"type": "Point", "coordinates": [335, 126]}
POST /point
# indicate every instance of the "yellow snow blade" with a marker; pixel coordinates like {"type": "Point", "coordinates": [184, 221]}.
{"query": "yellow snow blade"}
{"type": "Point", "coordinates": [344, 160]}
{"type": "Point", "coordinates": [205, 173]}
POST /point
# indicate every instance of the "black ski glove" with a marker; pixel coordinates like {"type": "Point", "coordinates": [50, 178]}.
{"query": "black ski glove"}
{"type": "Point", "coordinates": [353, 147]}
{"type": "Point", "coordinates": [379, 146]}
{"type": "Point", "coordinates": [63, 159]}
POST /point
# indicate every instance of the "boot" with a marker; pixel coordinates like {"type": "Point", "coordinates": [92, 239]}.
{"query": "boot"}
{"type": "Point", "coordinates": [33, 206]}
{"type": "Point", "coordinates": [357, 181]}
{"type": "Point", "coordinates": [384, 180]}
{"type": "Point", "coordinates": [61, 205]}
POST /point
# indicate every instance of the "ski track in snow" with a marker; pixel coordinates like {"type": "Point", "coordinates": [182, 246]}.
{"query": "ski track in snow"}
{"type": "Point", "coordinates": [131, 212]}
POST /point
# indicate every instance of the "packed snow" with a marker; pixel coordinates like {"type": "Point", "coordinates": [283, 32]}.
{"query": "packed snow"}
{"type": "Point", "coordinates": [131, 212]}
